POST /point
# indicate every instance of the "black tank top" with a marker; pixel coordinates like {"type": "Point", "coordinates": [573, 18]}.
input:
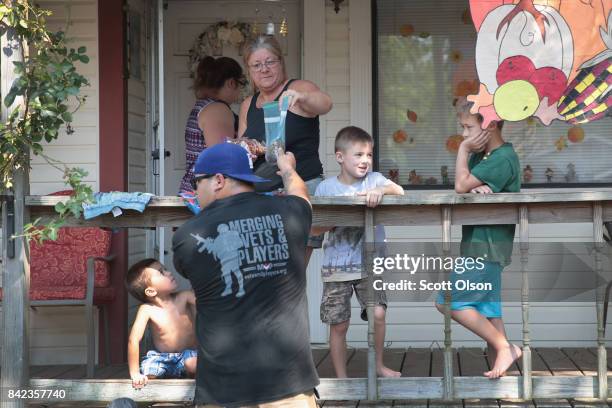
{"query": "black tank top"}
{"type": "Point", "coordinates": [233, 113]}
{"type": "Point", "coordinates": [301, 138]}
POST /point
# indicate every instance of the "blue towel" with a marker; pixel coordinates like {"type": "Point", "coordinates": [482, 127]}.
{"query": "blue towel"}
{"type": "Point", "coordinates": [107, 202]}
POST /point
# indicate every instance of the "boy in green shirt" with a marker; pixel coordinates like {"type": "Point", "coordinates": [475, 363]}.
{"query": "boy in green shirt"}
{"type": "Point", "coordinates": [493, 167]}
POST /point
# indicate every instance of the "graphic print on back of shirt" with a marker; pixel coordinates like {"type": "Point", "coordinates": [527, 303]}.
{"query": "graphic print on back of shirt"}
{"type": "Point", "coordinates": [225, 249]}
{"type": "Point", "coordinates": [248, 248]}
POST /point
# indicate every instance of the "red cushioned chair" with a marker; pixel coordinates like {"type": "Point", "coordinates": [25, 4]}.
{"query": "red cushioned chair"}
{"type": "Point", "coordinates": [74, 270]}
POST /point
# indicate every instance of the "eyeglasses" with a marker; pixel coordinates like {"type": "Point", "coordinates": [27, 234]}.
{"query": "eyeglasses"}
{"type": "Point", "coordinates": [242, 82]}
{"type": "Point", "coordinates": [268, 64]}
{"type": "Point", "coordinates": [196, 180]}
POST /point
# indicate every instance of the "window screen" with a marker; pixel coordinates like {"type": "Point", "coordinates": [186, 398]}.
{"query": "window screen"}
{"type": "Point", "coordinates": [424, 60]}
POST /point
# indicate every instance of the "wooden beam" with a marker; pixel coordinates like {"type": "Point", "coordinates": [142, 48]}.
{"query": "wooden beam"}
{"type": "Point", "coordinates": [414, 198]}
{"type": "Point", "coordinates": [370, 243]}
{"type": "Point", "coordinates": [405, 388]}
{"type": "Point", "coordinates": [348, 211]}
{"type": "Point", "coordinates": [15, 303]}
{"type": "Point", "coordinates": [113, 154]}
{"type": "Point", "coordinates": [16, 273]}
{"type": "Point", "coordinates": [602, 369]}
{"type": "Point", "coordinates": [524, 249]}
{"type": "Point", "coordinates": [446, 214]}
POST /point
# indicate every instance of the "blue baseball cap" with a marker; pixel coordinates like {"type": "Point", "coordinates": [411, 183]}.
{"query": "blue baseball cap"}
{"type": "Point", "coordinates": [228, 159]}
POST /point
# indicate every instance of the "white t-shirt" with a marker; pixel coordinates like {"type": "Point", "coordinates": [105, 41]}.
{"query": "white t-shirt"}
{"type": "Point", "coordinates": [343, 246]}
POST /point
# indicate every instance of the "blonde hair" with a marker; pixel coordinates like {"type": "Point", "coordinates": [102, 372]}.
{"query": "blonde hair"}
{"type": "Point", "coordinates": [267, 42]}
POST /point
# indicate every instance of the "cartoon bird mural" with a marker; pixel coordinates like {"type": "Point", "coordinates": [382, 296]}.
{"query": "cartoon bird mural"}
{"type": "Point", "coordinates": [526, 51]}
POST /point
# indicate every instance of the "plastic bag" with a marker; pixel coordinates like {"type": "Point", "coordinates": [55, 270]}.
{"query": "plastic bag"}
{"type": "Point", "coordinates": [275, 114]}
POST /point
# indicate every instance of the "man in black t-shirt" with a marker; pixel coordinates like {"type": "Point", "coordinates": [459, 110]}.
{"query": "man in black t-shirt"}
{"type": "Point", "coordinates": [244, 257]}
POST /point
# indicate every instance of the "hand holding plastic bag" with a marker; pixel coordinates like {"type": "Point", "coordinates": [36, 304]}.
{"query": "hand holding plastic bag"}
{"type": "Point", "coordinates": [275, 115]}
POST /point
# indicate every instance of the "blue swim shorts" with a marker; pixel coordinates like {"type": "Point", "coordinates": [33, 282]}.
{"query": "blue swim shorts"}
{"type": "Point", "coordinates": [486, 301]}
{"type": "Point", "coordinates": [166, 365]}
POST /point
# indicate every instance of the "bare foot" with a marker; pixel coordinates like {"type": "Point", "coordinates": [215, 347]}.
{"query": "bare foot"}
{"type": "Point", "coordinates": [503, 361]}
{"type": "Point", "coordinates": [387, 372]}
{"type": "Point", "coordinates": [492, 355]}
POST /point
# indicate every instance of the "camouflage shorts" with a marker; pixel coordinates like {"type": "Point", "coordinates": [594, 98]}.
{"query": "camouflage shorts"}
{"type": "Point", "coordinates": [336, 300]}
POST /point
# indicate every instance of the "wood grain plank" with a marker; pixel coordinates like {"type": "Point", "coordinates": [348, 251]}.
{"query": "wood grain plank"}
{"type": "Point", "coordinates": [558, 362]}
{"type": "Point", "coordinates": [417, 363]}
{"type": "Point", "coordinates": [318, 355]}
{"type": "Point", "coordinates": [434, 197]}
{"type": "Point", "coordinates": [111, 370]}
{"type": "Point", "coordinates": [539, 368]}
{"type": "Point", "coordinates": [326, 370]}
{"type": "Point", "coordinates": [437, 370]}
{"type": "Point", "coordinates": [582, 359]}
{"type": "Point", "coordinates": [346, 389]}
{"type": "Point", "coordinates": [472, 362]}
{"type": "Point", "coordinates": [587, 364]}
{"type": "Point", "coordinates": [52, 371]}
{"type": "Point", "coordinates": [410, 209]}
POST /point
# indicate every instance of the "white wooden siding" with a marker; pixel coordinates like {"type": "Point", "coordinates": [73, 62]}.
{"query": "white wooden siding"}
{"type": "Point", "coordinates": [337, 72]}
{"type": "Point", "coordinates": [138, 142]}
{"type": "Point", "coordinates": [80, 149]}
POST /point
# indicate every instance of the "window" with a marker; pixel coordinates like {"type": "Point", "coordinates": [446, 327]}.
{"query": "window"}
{"type": "Point", "coordinates": [424, 59]}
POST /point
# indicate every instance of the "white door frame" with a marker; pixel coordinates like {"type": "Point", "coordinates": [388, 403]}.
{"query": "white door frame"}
{"type": "Point", "coordinates": [161, 138]}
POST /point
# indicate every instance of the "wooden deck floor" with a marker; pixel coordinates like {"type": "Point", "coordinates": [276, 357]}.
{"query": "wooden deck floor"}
{"type": "Point", "coordinates": [412, 363]}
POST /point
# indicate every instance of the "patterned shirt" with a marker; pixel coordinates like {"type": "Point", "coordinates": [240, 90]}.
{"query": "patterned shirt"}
{"type": "Point", "coordinates": [194, 142]}
{"type": "Point", "coordinates": [343, 247]}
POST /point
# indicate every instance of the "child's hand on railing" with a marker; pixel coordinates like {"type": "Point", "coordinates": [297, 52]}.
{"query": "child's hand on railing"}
{"type": "Point", "coordinates": [139, 380]}
{"type": "Point", "coordinates": [484, 189]}
{"type": "Point", "coordinates": [373, 197]}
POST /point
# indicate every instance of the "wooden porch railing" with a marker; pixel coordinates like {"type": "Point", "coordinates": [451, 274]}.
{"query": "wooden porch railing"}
{"type": "Point", "coordinates": [413, 209]}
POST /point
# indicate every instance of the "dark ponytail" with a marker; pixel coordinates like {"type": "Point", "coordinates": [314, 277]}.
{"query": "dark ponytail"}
{"type": "Point", "coordinates": [212, 73]}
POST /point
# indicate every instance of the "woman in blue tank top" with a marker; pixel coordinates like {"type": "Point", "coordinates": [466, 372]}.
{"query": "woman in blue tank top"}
{"type": "Point", "coordinates": [217, 84]}
{"type": "Point", "coordinates": [266, 66]}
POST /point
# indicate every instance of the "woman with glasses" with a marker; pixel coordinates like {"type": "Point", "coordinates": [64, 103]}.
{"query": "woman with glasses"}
{"type": "Point", "coordinates": [218, 83]}
{"type": "Point", "coordinates": [266, 68]}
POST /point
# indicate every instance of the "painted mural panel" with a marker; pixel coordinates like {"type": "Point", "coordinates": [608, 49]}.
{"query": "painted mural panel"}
{"type": "Point", "coordinates": [549, 59]}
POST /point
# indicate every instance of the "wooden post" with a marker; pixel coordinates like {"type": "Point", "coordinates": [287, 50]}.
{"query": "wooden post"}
{"type": "Point", "coordinates": [602, 369]}
{"type": "Point", "coordinates": [369, 243]}
{"type": "Point", "coordinates": [448, 342]}
{"type": "Point", "coordinates": [16, 274]}
{"type": "Point", "coordinates": [524, 246]}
